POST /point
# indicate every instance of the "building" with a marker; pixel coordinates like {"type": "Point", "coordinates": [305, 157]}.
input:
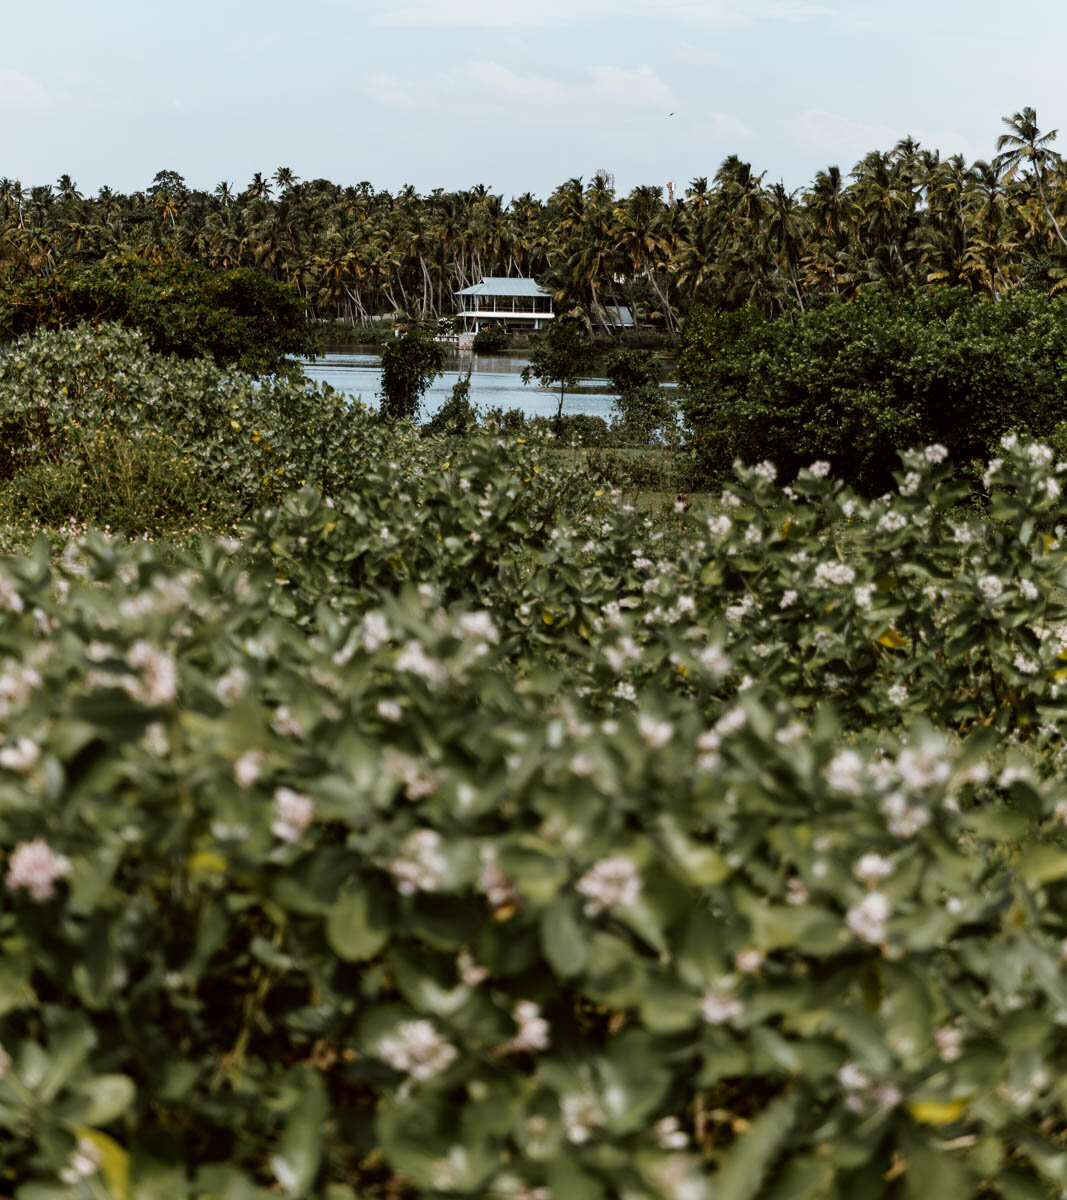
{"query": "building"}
{"type": "Point", "coordinates": [520, 305]}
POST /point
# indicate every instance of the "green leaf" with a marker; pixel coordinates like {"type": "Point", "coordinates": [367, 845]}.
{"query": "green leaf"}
{"type": "Point", "coordinates": [563, 938]}
{"type": "Point", "coordinates": [355, 929]}
{"type": "Point", "coordinates": [296, 1162]}
{"type": "Point", "coordinates": [1042, 864]}
{"type": "Point", "coordinates": [747, 1163]}
{"type": "Point", "coordinates": [99, 1101]}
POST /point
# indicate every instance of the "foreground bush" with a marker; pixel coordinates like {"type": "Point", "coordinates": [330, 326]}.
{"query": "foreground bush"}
{"type": "Point", "coordinates": [856, 382]}
{"type": "Point", "coordinates": [445, 847]}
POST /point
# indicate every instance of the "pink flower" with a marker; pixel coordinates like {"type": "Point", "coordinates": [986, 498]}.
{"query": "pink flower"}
{"type": "Point", "coordinates": [293, 813]}
{"type": "Point", "coordinates": [35, 866]}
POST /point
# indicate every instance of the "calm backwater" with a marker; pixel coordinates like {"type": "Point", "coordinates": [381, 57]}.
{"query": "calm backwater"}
{"type": "Point", "coordinates": [495, 383]}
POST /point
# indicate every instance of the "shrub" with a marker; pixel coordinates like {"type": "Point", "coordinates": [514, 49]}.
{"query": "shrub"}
{"type": "Point", "coordinates": [491, 339]}
{"type": "Point", "coordinates": [156, 440]}
{"type": "Point", "coordinates": [239, 318]}
{"type": "Point", "coordinates": [457, 415]}
{"type": "Point", "coordinates": [373, 857]}
{"type": "Point", "coordinates": [409, 365]}
{"type": "Point", "coordinates": [854, 383]}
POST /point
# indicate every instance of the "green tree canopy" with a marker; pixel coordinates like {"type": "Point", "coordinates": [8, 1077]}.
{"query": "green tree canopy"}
{"type": "Point", "coordinates": [239, 317]}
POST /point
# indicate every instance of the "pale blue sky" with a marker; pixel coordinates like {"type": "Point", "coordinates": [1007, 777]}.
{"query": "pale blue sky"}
{"type": "Point", "coordinates": [516, 94]}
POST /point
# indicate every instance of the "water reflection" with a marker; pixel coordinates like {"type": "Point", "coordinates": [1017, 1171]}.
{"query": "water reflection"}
{"type": "Point", "coordinates": [495, 382]}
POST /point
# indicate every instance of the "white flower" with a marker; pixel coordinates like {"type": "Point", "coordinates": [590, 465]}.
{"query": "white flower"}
{"type": "Point", "coordinates": [376, 632]}
{"type": "Point", "coordinates": [1052, 490]}
{"type": "Point", "coordinates": [720, 526]}
{"type": "Point", "coordinates": [158, 679]}
{"type": "Point", "coordinates": [992, 467]}
{"type": "Point", "coordinates": [796, 893]}
{"type": "Point", "coordinates": [420, 866]}
{"type": "Point", "coordinates": [417, 1049]}
{"type": "Point", "coordinates": [534, 1030]}
{"type": "Point", "coordinates": [21, 757]}
{"type": "Point", "coordinates": [848, 509]}
{"type": "Point", "coordinates": [844, 772]}
{"type": "Point", "coordinates": [715, 660]}
{"type": "Point", "coordinates": [1008, 442]}
{"type": "Point", "coordinates": [390, 710]}
{"type": "Point", "coordinates": [669, 1135]}
{"type": "Point", "coordinates": [949, 1042]}
{"type": "Point", "coordinates": [766, 470]}
{"type": "Point", "coordinates": [729, 500]}
{"type": "Point", "coordinates": [493, 883]}
{"type": "Point", "coordinates": [732, 721]}
{"type": "Point", "coordinates": [829, 574]}
{"type": "Point", "coordinates": [719, 1006]}
{"type": "Point", "coordinates": [470, 971]}
{"type": "Point", "coordinates": [753, 536]}
{"type": "Point", "coordinates": [820, 469]}
{"type": "Point", "coordinates": [910, 484]}
{"type": "Point", "coordinates": [414, 659]}
{"type": "Point", "coordinates": [868, 918]}
{"type": "Point", "coordinates": [892, 522]}
{"type": "Point", "coordinates": [853, 1079]}
{"type": "Point", "coordinates": [872, 868]}
{"type": "Point", "coordinates": [1024, 665]}
{"type": "Point", "coordinates": [904, 819]}
{"type": "Point", "coordinates": [862, 596]}
{"type": "Point", "coordinates": [656, 733]}
{"type": "Point", "coordinates": [35, 866]}
{"type": "Point", "coordinates": [624, 651]}
{"type": "Point", "coordinates": [789, 598]}
{"type": "Point", "coordinates": [791, 734]}
{"type": "Point", "coordinates": [749, 960]}
{"type": "Point", "coordinates": [898, 694]}
{"type": "Point", "coordinates": [85, 1160]}
{"type": "Point", "coordinates": [990, 586]}
{"type": "Point", "coordinates": [479, 625]}
{"type": "Point", "coordinates": [609, 882]}
{"type": "Point", "coordinates": [9, 597]}
{"type": "Point", "coordinates": [936, 453]}
{"type": "Point", "coordinates": [581, 1114]}
{"type": "Point", "coordinates": [1038, 454]}
{"type": "Point", "coordinates": [232, 686]}
{"type": "Point", "coordinates": [247, 767]}
{"type": "Point", "coordinates": [625, 691]}
{"type": "Point", "coordinates": [292, 814]}
{"type": "Point", "coordinates": [1028, 589]}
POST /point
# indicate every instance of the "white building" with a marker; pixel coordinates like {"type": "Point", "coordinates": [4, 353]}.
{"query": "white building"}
{"type": "Point", "coordinates": [521, 305]}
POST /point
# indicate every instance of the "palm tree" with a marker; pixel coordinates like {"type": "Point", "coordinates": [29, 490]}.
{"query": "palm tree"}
{"type": "Point", "coordinates": [1025, 143]}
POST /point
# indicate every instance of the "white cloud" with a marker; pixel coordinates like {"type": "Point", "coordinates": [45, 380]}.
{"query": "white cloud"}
{"type": "Point", "coordinates": [496, 14]}
{"type": "Point", "coordinates": [727, 127]}
{"type": "Point", "coordinates": [21, 94]}
{"type": "Point", "coordinates": [390, 92]}
{"type": "Point", "coordinates": [488, 86]}
{"type": "Point", "coordinates": [840, 137]}
{"type": "Point", "coordinates": [834, 134]}
{"type": "Point", "coordinates": [697, 56]}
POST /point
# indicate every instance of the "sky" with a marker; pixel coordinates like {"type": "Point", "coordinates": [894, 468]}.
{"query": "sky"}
{"type": "Point", "coordinates": [518, 95]}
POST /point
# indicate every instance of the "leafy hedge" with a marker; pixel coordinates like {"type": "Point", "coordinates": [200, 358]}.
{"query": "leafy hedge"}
{"type": "Point", "coordinates": [239, 318]}
{"type": "Point", "coordinates": [428, 842]}
{"type": "Point", "coordinates": [96, 427]}
{"type": "Point", "coordinates": [855, 383]}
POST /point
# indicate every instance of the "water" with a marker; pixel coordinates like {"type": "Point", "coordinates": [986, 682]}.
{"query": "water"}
{"type": "Point", "coordinates": [495, 383]}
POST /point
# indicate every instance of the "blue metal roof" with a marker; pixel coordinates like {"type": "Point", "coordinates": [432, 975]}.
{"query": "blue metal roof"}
{"type": "Point", "coordinates": [502, 285]}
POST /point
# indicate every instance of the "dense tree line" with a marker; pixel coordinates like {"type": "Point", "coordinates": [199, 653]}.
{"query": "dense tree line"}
{"type": "Point", "coordinates": [902, 217]}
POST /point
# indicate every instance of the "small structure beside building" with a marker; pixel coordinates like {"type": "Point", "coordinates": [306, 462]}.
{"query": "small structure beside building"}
{"type": "Point", "coordinates": [617, 316]}
{"type": "Point", "coordinates": [520, 305]}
